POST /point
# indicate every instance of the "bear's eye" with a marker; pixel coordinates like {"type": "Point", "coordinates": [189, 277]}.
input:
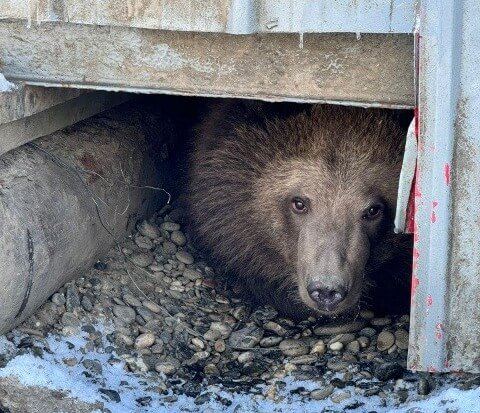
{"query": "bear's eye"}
{"type": "Point", "coordinates": [299, 206]}
{"type": "Point", "coordinates": [373, 211]}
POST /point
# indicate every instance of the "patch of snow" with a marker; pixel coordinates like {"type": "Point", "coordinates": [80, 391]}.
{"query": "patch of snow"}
{"type": "Point", "coordinates": [5, 85]}
{"type": "Point", "coordinates": [51, 371]}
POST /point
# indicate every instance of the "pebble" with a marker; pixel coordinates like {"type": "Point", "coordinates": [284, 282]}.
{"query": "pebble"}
{"type": "Point", "coordinates": [353, 346]}
{"type": "Point", "coordinates": [192, 275]}
{"type": "Point", "coordinates": [169, 248]}
{"type": "Point", "coordinates": [58, 299]}
{"type": "Point", "coordinates": [339, 328]}
{"type": "Point", "coordinates": [336, 346]}
{"type": "Point", "coordinates": [340, 396]}
{"type": "Point", "coordinates": [343, 338]}
{"type": "Point", "coordinates": [148, 230]}
{"type": "Point", "coordinates": [401, 339]}
{"type": "Point", "coordinates": [385, 340]}
{"type": "Point", "coordinates": [166, 368]}
{"type": "Point", "coordinates": [275, 328]}
{"type": "Point", "coordinates": [185, 257]}
{"type": "Point", "coordinates": [321, 394]}
{"type": "Point", "coordinates": [293, 347]}
{"type": "Point", "coordinates": [245, 338]}
{"type": "Point", "coordinates": [141, 259]}
{"type": "Point", "coordinates": [305, 359]}
{"type": "Point", "coordinates": [131, 300]}
{"type": "Point", "coordinates": [170, 226]}
{"type": "Point", "coordinates": [144, 341]}
{"type": "Point", "coordinates": [220, 346]}
{"type": "Point", "coordinates": [246, 357]}
{"type": "Point", "coordinates": [270, 341]}
{"type": "Point", "coordinates": [363, 341]}
{"type": "Point", "coordinates": [380, 322]}
{"type": "Point", "coordinates": [153, 307]}
{"type": "Point", "coordinates": [223, 329]}
{"type": "Point", "coordinates": [423, 387]}
{"type": "Point", "coordinates": [319, 348]}
{"type": "Point", "coordinates": [124, 313]}
{"type": "Point", "coordinates": [178, 238]}
{"type": "Point", "coordinates": [198, 343]}
{"type": "Point", "coordinates": [388, 371]}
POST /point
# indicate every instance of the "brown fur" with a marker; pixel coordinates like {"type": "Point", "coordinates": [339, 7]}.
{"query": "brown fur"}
{"type": "Point", "coordinates": [248, 163]}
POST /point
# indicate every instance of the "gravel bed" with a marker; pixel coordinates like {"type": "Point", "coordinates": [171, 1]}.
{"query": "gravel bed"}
{"type": "Point", "coordinates": [156, 309]}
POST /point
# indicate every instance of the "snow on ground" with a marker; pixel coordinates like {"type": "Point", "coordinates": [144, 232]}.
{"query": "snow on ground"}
{"type": "Point", "coordinates": [51, 370]}
{"type": "Point", "coordinates": [5, 85]}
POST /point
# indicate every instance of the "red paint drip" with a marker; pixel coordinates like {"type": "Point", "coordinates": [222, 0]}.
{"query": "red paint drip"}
{"type": "Point", "coordinates": [447, 173]}
{"type": "Point", "coordinates": [433, 217]}
{"type": "Point", "coordinates": [415, 283]}
{"type": "Point", "coordinates": [429, 300]}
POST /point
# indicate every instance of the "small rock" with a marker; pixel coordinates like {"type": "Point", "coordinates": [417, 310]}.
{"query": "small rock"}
{"type": "Point", "coordinates": [144, 340]}
{"type": "Point", "coordinates": [353, 346]}
{"type": "Point", "coordinates": [363, 341]}
{"type": "Point", "coordinates": [293, 347]}
{"type": "Point", "coordinates": [223, 329]}
{"type": "Point", "coordinates": [170, 226]}
{"type": "Point", "coordinates": [169, 247]}
{"type": "Point", "coordinates": [246, 357]}
{"type": "Point", "coordinates": [319, 348]}
{"type": "Point", "coordinates": [141, 259]}
{"type": "Point", "coordinates": [148, 230]}
{"type": "Point", "coordinates": [368, 332]}
{"type": "Point", "coordinates": [131, 300]}
{"type": "Point", "coordinates": [385, 340]}
{"type": "Point", "coordinates": [401, 339]}
{"type": "Point", "coordinates": [339, 328]}
{"type": "Point", "coordinates": [275, 328]}
{"type": "Point", "coordinates": [388, 371]}
{"type": "Point", "coordinates": [305, 359]}
{"type": "Point", "coordinates": [424, 387]}
{"type": "Point", "coordinates": [87, 303]}
{"type": "Point", "coordinates": [185, 257]}
{"type": "Point", "coordinates": [111, 394]}
{"type": "Point", "coordinates": [321, 394]}
{"type": "Point", "coordinates": [340, 396]}
{"type": "Point", "coordinates": [198, 343]}
{"type": "Point", "coordinates": [124, 313]}
{"type": "Point", "coordinates": [191, 275]}
{"type": "Point", "coordinates": [178, 238]}
{"type": "Point", "coordinates": [343, 338]}
{"type": "Point", "coordinates": [245, 338]}
{"type": "Point", "coordinates": [58, 299]}
{"type": "Point", "coordinates": [270, 341]}
{"type": "Point", "coordinates": [144, 242]}
{"type": "Point", "coordinates": [367, 314]}
{"type": "Point", "coordinates": [220, 346]}
{"type": "Point", "coordinates": [336, 346]}
{"type": "Point", "coordinates": [166, 368]}
{"type": "Point", "coordinates": [153, 307]}
{"type": "Point", "coordinates": [72, 299]}
{"type": "Point", "coordinates": [380, 322]}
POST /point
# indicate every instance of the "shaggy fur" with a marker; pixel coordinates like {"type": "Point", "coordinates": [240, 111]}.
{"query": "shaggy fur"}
{"type": "Point", "coordinates": [249, 162]}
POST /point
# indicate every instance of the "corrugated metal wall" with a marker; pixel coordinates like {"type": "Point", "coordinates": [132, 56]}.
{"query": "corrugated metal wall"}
{"type": "Point", "coordinates": [445, 320]}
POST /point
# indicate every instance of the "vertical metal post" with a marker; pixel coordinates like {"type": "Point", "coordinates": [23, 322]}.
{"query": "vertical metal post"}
{"type": "Point", "coordinates": [442, 338]}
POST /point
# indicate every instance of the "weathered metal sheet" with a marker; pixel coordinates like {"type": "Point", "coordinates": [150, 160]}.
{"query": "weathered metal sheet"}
{"type": "Point", "coordinates": [225, 16]}
{"type": "Point", "coordinates": [373, 70]}
{"type": "Point", "coordinates": [445, 319]}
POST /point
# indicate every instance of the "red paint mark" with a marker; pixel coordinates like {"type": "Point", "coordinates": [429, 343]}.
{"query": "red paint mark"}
{"type": "Point", "coordinates": [434, 204]}
{"type": "Point", "coordinates": [447, 363]}
{"type": "Point", "coordinates": [415, 283]}
{"type": "Point", "coordinates": [416, 254]}
{"type": "Point", "coordinates": [416, 113]}
{"type": "Point", "coordinates": [416, 235]}
{"type": "Point", "coordinates": [447, 173]}
{"type": "Point", "coordinates": [439, 331]}
{"type": "Point", "coordinates": [433, 217]}
{"type": "Point", "coordinates": [432, 369]}
{"type": "Point", "coordinates": [429, 300]}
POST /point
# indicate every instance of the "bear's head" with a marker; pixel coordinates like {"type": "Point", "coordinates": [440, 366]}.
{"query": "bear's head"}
{"type": "Point", "coordinates": [327, 198]}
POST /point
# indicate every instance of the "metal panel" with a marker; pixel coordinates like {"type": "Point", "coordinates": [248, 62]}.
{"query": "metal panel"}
{"type": "Point", "coordinates": [374, 70]}
{"type": "Point", "coordinates": [226, 16]}
{"type": "Point", "coordinates": [445, 319]}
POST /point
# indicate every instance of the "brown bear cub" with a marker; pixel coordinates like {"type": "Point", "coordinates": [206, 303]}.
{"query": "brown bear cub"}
{"type": "Point", "coordinates": [299, 206]}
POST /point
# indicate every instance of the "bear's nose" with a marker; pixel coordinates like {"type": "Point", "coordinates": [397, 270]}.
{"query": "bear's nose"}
{"type": "Point", "coordinates": [327, 298]}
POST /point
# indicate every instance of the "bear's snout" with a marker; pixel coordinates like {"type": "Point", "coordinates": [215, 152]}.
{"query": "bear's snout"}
{"type": "Point", "coordinates": [327, 298]}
